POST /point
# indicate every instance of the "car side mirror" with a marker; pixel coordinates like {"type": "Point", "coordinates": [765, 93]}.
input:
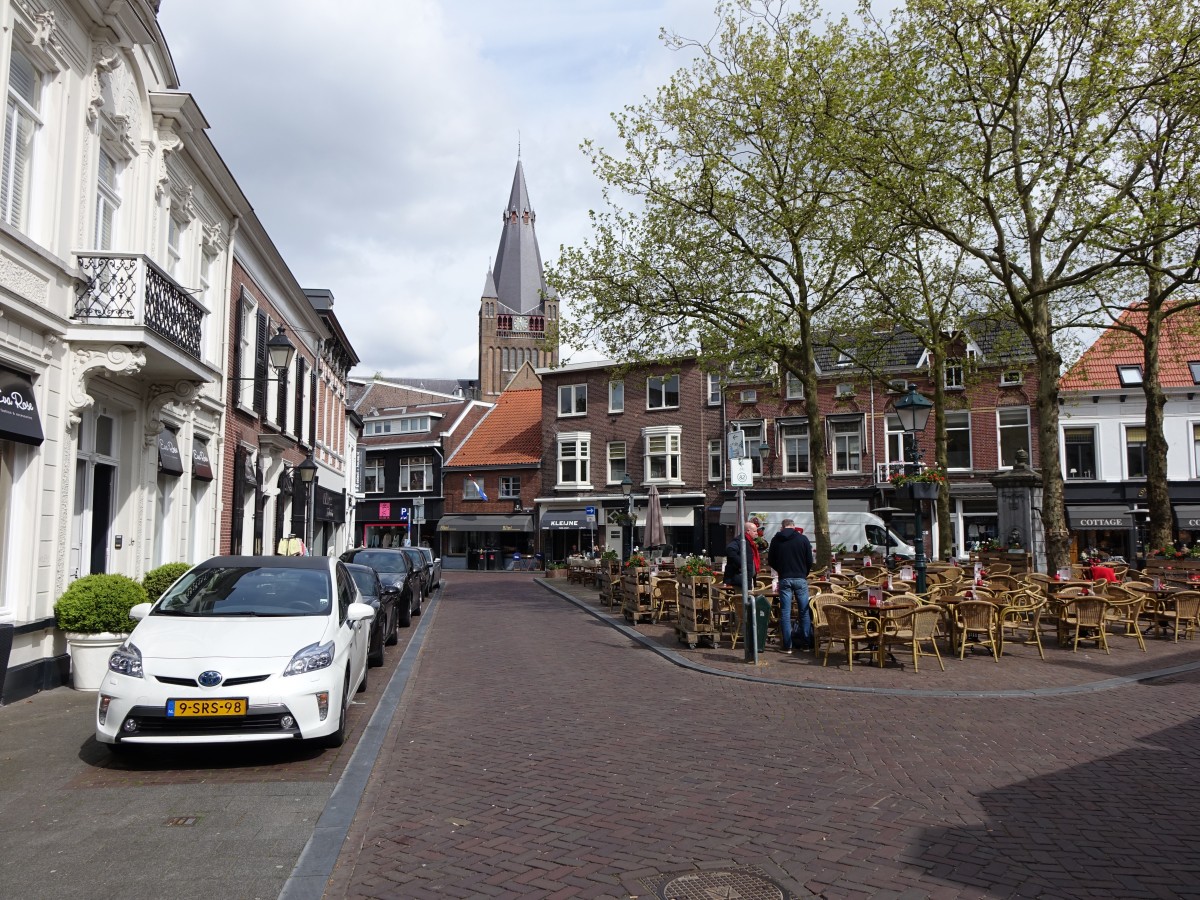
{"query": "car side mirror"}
{"type": "Point", "coordinates": [140, 611]}
{"type": "Point", "coordinates": [359, 612]}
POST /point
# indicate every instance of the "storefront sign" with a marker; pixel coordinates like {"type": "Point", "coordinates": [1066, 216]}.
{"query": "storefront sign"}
{"type": "Point", "coordinates": [385, 510]}
{"type": "Point", "coordinates": [328, 506]}
{"type": "Point", "coordinates": [201, 466]}
{"type": "Point", "coordinates": [19, 419]}
{"type": "Point", "coordinates": [169, 460]}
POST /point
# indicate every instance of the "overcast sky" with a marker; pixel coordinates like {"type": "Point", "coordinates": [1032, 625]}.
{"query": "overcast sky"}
{"type": "Point", "coordinates": [377, 139]}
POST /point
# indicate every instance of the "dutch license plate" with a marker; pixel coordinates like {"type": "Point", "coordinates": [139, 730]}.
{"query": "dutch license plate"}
{"type": "Point", "coordinates": [188, 708]}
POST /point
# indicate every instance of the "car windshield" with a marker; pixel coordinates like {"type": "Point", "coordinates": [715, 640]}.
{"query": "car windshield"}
{"type": "Point", "coordinates": [392, 563]}
{"type": "Point", "coordinates": [248, 591]}
{"type": "Point", "coordinates": [365, 579]}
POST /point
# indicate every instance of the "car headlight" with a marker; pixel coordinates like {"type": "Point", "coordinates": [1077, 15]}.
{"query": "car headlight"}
{"type": "Point", "coordinates": [311, 658]}
{"type": "Point", "coordinates": [126, 660]}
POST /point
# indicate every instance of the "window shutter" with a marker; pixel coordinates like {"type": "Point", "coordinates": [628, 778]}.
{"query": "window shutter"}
{"type": "Point", "coordinates": [281, 410]}
{"type": "Point", "coordinates": [300, 365]}
{"type": "Point", "coordinates": [236, 368]}
{"type": "Point", "coordinates": [260, 366]}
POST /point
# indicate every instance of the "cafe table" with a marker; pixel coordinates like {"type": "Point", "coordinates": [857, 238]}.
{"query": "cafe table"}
{"type": "Point", "coordinates": [884, 612]}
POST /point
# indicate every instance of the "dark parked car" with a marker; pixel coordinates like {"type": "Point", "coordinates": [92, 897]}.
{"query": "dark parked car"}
{"type": "Point", "coordinates": [435, 568]}
{"type": "Point", "coordinates": [396, 571]}
{"type": "Point", "coordinates": [421, 564]}
{"type": "Point", "coordinates": [383, 601]}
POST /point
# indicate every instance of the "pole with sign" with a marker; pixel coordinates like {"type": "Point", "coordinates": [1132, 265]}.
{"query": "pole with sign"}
{"type": "Point", "coordinates": [418, 519]}
{"type": "Point", "coordinates": [741, 476]}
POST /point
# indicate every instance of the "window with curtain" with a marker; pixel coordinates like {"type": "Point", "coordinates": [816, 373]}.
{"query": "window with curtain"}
{"type": "Point", "coordinates": [663, 458]}
{"type": "Point", "coordinates": [416, 473]}
{"type": "Point", "coordinates": [793, 437]}
{"type": "Point", "coordinates": [21, 124]}
{"type": "Point", "coordinates": [616, 461]}
{"type": "Point", "coordinates": [373, 476]}
{"type": "Point", "coordinates": [662, 392]}
{"type": "Point", "coordinates": [1079, 448]}
{"type": "Point", "coordinates": [846, 436]}
{"type": "Point", "coordinates": [1135, 452]}
{"type": "Point", "coordinates": [573, 459]}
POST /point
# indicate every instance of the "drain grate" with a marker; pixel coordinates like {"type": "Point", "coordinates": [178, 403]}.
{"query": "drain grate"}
{"type": "Point", "coordinates": [181, 821]}
{"type": "Point", "coordinates": [722, 884]}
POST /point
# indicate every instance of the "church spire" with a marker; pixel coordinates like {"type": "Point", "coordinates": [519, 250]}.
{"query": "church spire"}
{"type": "Point", "coordinates": [519, 282]}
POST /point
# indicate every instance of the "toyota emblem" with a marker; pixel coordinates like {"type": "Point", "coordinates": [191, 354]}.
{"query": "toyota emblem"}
{"type": "Point", "coordinates": [210, 678]}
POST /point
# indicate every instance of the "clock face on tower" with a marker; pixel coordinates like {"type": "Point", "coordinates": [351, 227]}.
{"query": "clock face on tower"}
{"type": "Point", "coordinates": [520, 323]}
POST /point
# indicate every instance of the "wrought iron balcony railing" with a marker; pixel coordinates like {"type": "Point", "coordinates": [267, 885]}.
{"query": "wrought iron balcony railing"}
{"type": "Point", "coordinates": [129, 289]}
{"type": "Point", "coordinates": [884, 471]}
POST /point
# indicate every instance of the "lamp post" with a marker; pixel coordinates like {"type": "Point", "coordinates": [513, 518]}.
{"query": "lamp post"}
{"type": "Point", "coordinates": [913, 411]}
{"type": "Point", "coordinates": [764, 452]}
{"type": "Point", "coordinates": [281, 351]}
{"type": "Point", "coordinates": [1141, 518]}
{"type": "Point", "coordinates": [307, 471]}
{"type": "Point", "coordinates": [627, 490]}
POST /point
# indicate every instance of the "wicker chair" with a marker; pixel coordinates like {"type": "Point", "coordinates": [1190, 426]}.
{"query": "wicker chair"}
{"type": "Point", "coordinates": [1184, 614]}
{"type": "Point", "coordinates": [1086, 614]}
{"type": "Point", "coordinates": [664, 598]}
{"type": "Point", "coordinates": [849, 628]}
{"type": "Point", "coordinates": [1003, 582]}
{"type": "Point", "coordinates": [977, 623]}
{"type": "Point", "coordinates": [1021, 617]}
{"type": "Point", "coordinates": [917, 626]}
{"type": "Point", "coordinates": [817, 604]}
{"type": "Point", "coordinates": [1122, 614]}
{"type": "Point", "coordinates": [999, 569]}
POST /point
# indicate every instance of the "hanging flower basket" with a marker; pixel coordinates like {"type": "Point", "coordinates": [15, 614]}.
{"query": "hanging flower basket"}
{"type": "Point", "coordinates": [924, 490]}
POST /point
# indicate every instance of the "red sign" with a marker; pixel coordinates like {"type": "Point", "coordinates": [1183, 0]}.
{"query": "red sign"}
{"type": "Point", "coordinates": [385, 510]}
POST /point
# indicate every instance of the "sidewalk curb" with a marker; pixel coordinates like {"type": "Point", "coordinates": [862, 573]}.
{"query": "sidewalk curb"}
{"type": "Point", "coordinates": [1091, 687]}
{"type": "Point", "coordinates": [319, 857]}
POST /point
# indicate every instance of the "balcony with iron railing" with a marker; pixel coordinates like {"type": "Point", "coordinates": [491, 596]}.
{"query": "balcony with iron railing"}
{"type": "Point", "coordinates": [127, 298]}
{"type": "Point", "coordinates": [884, 471]}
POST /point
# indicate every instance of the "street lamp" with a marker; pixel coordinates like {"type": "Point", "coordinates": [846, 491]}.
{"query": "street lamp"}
{"type": "Point", "coordinates": [627, 490]}
{"type": "Point", "coordinates": [1141, 518]}
{"type": "Point", "coordinates": [764, 451]}
{"type": "Point", "coordinates": [281, 351]}
{"type": "Point", "coordinates": [307, 471]}
{"type": "Point", "coordinates": [913, 411]}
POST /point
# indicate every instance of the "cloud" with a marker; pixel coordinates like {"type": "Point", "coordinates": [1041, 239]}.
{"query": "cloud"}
{"type": "Point", "coordinates": [377, 140]}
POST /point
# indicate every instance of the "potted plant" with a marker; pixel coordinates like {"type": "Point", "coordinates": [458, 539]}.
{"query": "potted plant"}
{"type": "Point", "coordinates": [556, 570]}
{"type": "Point", "coordinates": [158, 580]}
{"type": "Point", "coordinates": [921, 485]}
{"type": "Point", "coordinates": [637, 561]}
{"type": "Point", "coordinates": [94, 614]}
{"type": "Point", "coordinates": [695, 567]}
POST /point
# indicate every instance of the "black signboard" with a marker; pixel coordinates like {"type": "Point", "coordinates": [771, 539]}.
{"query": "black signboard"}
{"type": "Point", "coordinates": [19, 420]}
{"type": "Point", "coordinates": [169, 460]}
{"type": "Point", "coordinates": [201, 465]}
{"type": "Point", "coordinates": [329, 506]}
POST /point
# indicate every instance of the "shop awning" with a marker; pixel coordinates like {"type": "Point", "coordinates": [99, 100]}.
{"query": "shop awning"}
{"type": "Point", "coordinates": [1188, 517]}
{"type": "Point", "coordinates": [486, 523]}
{"type": "Point", "coordinates": [799, 507]}
{"type": "Point", "coordinates": [1098, 518]}
{"type": "Point", "coordinates": [563, 519]}
{"type": "Point", "coordinates": [169, 460]}
{"type": "Point", "coordinates": [672, 516]}
{"type": "Point", "coordinates": [201, 466]}
{"type": "Point", "coordinates": [19, 420]}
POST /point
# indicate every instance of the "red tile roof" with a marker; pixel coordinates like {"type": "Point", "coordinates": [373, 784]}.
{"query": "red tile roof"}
{"type": "Point", "coordinates": [510, 434]}
{"type": "Point", "coordinates": [1096, 369]}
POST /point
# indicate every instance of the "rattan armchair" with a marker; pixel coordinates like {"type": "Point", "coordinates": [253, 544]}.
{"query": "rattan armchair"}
{"type": "Point", "coordinates": [1085, 614]}
{"type": "Point", "coordinates": [1121, 613]}
{"type": "Point", "coordinates": [664, 598]}
{"type": "Point", "coordinates": [977, 623]}
{"type": "Point", "coordinates": [917, 626]}
{"type": "Point", "coordinates": [817, 604]}
{"type": "Point", "coordinates": [1181, 613]}
{"type": "Point", "coordinates": [849, 628]}
{"type": "Point", "coordinates": [1021, 617]}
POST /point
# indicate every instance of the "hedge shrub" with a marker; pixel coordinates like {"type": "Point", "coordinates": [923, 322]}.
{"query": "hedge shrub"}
{"type": "Point", "coordinates": [158, 580]}
{"type": "Point", "coordinates": [99, 603]}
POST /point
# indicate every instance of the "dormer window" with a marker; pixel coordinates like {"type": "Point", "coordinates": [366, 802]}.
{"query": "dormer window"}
{"type": "Point", "coordinates": [1195, 370]}
{"type": "Point", "coordinates": [843, 358]}
{"type": "Point", "coordinates": [1131, 376]}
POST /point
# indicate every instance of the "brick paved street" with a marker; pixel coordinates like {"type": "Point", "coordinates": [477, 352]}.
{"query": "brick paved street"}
{"type": "Point", "coordinates": [540, 752]}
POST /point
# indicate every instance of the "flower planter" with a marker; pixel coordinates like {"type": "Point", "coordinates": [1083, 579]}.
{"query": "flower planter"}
{"type": "Point", "coordinates": [918, 490]}
{"type": "Point", "coordinates": [89, 657]}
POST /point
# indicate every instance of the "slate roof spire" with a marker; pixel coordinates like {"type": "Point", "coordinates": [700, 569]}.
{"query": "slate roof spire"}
{"type": "Point", "coordinates": [517, 275]}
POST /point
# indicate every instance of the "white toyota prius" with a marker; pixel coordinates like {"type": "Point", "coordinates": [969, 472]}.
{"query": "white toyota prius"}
{"type": "Point", "coordinates": [240, 648]}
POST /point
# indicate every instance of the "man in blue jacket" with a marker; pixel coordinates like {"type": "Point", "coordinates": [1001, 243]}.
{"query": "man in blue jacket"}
{"type": "Point", "coordinates": [791, 556]}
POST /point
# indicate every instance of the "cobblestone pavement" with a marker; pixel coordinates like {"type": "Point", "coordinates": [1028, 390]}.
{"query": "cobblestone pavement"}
{"type": "Point", "coordinates": [205, 822]}
{"type": "Point", "coordinates": [542, 752]}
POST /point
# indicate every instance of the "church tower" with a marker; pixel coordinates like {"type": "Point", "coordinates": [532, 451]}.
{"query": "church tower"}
{"type": "Point", "coordinates": [517, 307]}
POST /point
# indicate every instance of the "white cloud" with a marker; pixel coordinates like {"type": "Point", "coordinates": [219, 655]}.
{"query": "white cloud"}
{"type": "Point", "coordinates": [376, 140]}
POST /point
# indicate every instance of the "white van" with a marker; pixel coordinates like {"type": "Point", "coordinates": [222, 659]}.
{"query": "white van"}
{"type": "Point", "coordinates": [863, 530]}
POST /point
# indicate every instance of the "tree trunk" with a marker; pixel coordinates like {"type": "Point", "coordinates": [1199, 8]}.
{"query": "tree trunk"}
{"type": "Point", "coordinates": [1049, 364]}
{"type": "Point", "coordinates": [1157, 496]}
{"type": "Point", "coordinates": [945, 533]}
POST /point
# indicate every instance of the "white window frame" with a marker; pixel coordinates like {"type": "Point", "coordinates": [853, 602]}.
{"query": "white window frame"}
{"type": "Point", "coordinates": [510, 487]}
{"type": "Point", "coordinates": [1130, 376]}
{"type": "Point", "coordinates": [750, 395]}
{"type": "Point", "coordinates": [574, 395]}
{"type": "Point", "coordinates": [894, 440]}
{"type": "Point", "coordinates": [840, 434]}
{"type": "Point", "coordinates": [579, 443]}
{"type": "Point", "coordinates": [715, 392]}
{"type": "Point", "coordinates": [1195, 426]}
{"type": "Point", "coordinates": [616, 396]}
{"type": "Point", "coordinates": [248, 310]}
{"type": "Point", "coordinates": [1028, 426]}
{"type": "Point", "coordinates": [1011, 378]}
{"type": "Point", "coordinates": [716, 460]}
{"type": "Point", "coordinates": [615, 450]}
{"type": "Point", "coordinates": [108, 199]}
{"type": "Point", "coordinates": [175, 231]}
{"type": "Point", "coordinates": [793, 387]}
{"type": "Point", "coordinates": [411, 465]}
{"type": "Point", "coordinates": [1125, 432]}
{"type": "Point", "coordinates": [22, 124]}
{"type": "Point", "coordinates": [960, 414]}
{"type": "Point", "coordinates": [1085, 475]}
{"type": "Point", "coordinates": [753, 432]}
{"type": "Point", "coordinates": [371, 467]}
{"type": "Point", "coordinates": [954, 375]}
{"type": "Point", "coordinates": [670, 452]}
{"type": "Point", "coordinates": [657, 390]}
{"type": "Point", "coordinates": [789, 436]}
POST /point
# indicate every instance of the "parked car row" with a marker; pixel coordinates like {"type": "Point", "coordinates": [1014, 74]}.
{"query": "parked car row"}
{"type": "Point", "coordinates": [258, 648]}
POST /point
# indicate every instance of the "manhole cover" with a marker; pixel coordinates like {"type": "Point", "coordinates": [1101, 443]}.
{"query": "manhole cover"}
{"type": "Point", "coordinates": [727, 884]}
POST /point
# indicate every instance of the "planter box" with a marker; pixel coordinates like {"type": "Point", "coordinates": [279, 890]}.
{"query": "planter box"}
{"type": "Point", "coordinates": [919, 490]}
{"type": "Point", "coordinates": [1178, 572]}
{"type": "Point", "coordinates": [89, 657]}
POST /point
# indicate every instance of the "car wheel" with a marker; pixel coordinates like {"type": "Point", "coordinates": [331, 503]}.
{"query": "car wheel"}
{"type": "Point", "coordinates": [375, 654]}
{"type": "Point", "coordinates": [420, 600]}
{"type": "Point", "coordinates": [392, 636]}
{"type": "Point", "coordinates": [337, 738]}
{"type": "Point", "coordinates": [405, 612]}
